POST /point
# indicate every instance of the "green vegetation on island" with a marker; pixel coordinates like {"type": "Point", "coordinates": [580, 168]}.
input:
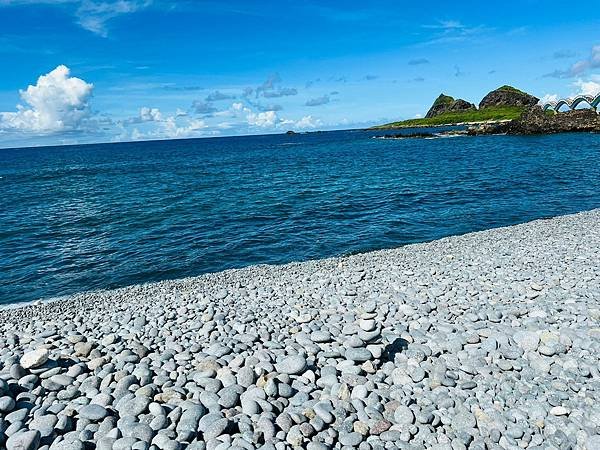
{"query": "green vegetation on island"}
{"type": "Point", "coordinates": [508, 88]}
{"type": "Point", "coordinates": [456, 117]}
{"type": "Point", "coordinates": [502, 104]}
{"type": "Point", "coordinates": [443, 100]}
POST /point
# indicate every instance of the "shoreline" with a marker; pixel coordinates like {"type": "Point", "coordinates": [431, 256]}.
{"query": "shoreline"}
{"type": "Point", "coordinates": [470, 341]}
{"type": "Point", "coordinates": [404, 127]}
{"type": "Point", "coordinates": [77, 296]}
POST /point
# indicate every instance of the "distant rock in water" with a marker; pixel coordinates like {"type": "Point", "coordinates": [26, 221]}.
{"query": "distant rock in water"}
{"type": "Point", "coordinates": [508, 96]}
{"type": "Point", "coordinates": [417, 134]}
{"type": "Point", "coordinates": [445, 103]}
{"type": "Point", "coordinates": [290, 132]}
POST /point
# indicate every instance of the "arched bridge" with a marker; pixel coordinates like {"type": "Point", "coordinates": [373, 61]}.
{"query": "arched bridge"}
{"type": "Point", "coordinates": [573, 103]}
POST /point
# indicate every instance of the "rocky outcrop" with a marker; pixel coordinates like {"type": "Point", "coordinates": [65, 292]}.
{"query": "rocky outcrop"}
{"type": "Point", "coordinates": [535, 121]}
{"type": "Point", "coordinates": [445, 103]}
{"type": "Point", "coordinates": [508, 96]}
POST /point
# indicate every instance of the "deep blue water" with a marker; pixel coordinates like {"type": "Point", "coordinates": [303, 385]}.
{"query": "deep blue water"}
{"type": "Point", "coordinates": [80, 218]}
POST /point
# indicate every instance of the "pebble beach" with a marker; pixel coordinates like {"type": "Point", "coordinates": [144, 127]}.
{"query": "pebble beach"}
{"type": "Point", "coordinates": [489, 340]}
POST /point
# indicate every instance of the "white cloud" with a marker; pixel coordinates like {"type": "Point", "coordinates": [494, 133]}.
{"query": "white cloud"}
{"type": "Point", "coordinates": [150, 114]}
{"type": "Point", "coordinates": [58, 102]}
{"type": "Point", "coordinates": [263, 119]}
{"type": "Point", "coordinates": [578, 68]}
{"type": "Point", "coordinates": [155, 125]}
{"type": "Point", "coordinates": [91, 15]}
{"type": "Point", "coordinates": [308, 122]}
{"type": "Point", "coordinates": [589, 87]}
{"type": "Point", "coordinates": [548, 98]}
{"type": "Point", "coordinates": [189, 128]}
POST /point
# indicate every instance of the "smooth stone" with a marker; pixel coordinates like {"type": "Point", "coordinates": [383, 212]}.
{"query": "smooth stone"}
{"type": "Point", "coordinates": [216, 428]}
{"type": "Point", "coordinates": [7, 404]}
{"type": "Point", "coordinates": [73, 444]}
{"type": "Point", "coordinates": [321, 336]}
{"type": "Point", "coordinates": [206, 421]}
{"type": "Point", "coordinates": [367, 324]}
{"type": "Point", "coordinates": [35, 358]}
{"type": "Point", "coordinates": [359, 354]}
{"type": "Point", "coordinates": [44, 424]}
{"type": "Point", "coordinates": [188, 422]}
{"type": "Point", "coordinates": [93, 412]}
{"type": "Point", "coordinates": [292, 365]}
{"type": "Point", "coordinates": [463, 420]}
{"type": "Point", "coordinates": [24, 440]}
{"type": "Point", "coordinates": [351, 439]}
{"type": "Point", "coordinates": [527, 340]}
{"type": "Point", "coordinates": [404, 415]}
{"type": "Point", "coordinates": [559, 411]}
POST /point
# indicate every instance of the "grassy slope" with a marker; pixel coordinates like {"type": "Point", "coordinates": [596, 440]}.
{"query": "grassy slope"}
{"type": "Point", "coordinates": [508, 88]}
{"type": "Point", "coordinates": [496, 113]}
{"type": "Point", "coordinates": [443, 100]}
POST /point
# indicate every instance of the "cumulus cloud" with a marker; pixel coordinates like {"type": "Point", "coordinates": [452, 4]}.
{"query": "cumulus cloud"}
{"type": "Point", "coordinates": [588, 87]}
{"type": "Point", "coordinates": [548, 98]}
{"type": "Point", "coordinates": [267, 120]}
{"type": "Point", "coordinates": [308, 122]}
{"type": "Point", "coordinates": [263, 119]}
{"type": "Point", "coordinates": [172, 129]}
{"type": "Point", "coordinates": [318, 101]}
{"type": "Point", "coordinates": [150, 114]}
{"type": "Point", "coordinates": [162, 127]}
{"type": "Point", "coordinates": [57, 102]}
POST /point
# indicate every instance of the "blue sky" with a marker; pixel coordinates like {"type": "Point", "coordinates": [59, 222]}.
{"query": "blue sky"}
{"type": "Point", "coordinates": [102, 71]}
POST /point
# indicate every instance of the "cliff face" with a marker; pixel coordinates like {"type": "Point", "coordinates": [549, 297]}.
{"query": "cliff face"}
{"type": "Point", "coordinates": [508, 96]}
{"type": "Point", "coordinates": [445, 103]}
{"type": "Point", "coordinates": [536, 121]}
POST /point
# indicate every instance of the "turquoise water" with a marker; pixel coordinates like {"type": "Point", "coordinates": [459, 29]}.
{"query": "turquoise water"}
{"type": "Point", "coordinates": [80, 218]}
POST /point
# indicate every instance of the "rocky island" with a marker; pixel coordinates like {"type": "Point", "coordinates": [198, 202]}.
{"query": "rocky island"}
{"type": "Point", "coordinates": [445, 104]}
{"type": "Point", "coordinates": [506, 110]}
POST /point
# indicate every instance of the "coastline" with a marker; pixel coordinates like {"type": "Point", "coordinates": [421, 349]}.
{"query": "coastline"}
{"type": "Point", "coordinates": [403, 127]}
{"type": "Point", "coordinates": [438, 343]}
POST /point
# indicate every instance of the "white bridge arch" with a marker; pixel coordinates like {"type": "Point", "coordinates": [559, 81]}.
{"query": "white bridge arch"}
{"type": "Point", "coordinates": [572, 103]}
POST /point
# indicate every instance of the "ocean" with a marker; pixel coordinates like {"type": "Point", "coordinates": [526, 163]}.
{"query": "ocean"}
{"type": "Point", "coordinates": [87, 217]}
